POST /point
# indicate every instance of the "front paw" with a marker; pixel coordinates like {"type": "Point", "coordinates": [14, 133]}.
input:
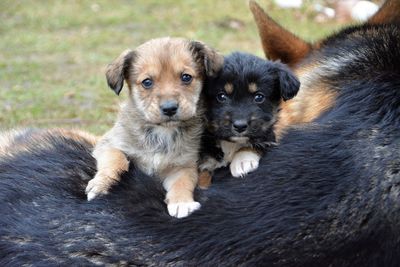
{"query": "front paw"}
{"type": "Point", "coordinates": [244, 162]}
{"type": "Point", "coordinates": [99, 185]}
{"type": "Point", "coordinates": [182, 209]}
{"type": "Point", "coordinates": [204, 181]}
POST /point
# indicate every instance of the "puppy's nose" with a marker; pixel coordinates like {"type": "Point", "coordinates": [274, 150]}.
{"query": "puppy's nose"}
{"type": "Point", "coordinates": [169, 108]}
{"type": "Point", "coordinates": [240, 126]}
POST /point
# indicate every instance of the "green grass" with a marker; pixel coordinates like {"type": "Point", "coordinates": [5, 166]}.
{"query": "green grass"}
{"type": "Point", "coordinates": [53, 53]}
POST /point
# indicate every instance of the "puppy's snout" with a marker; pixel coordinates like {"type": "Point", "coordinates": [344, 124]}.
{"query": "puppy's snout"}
{"type": "Point", "coordinates": [169, 108]}
{"type": "Point", "coordinates": [240, 126]}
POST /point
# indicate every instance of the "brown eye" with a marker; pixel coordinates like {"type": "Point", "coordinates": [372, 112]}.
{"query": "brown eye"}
{"type": "Point", "coordinates": [147, 83]}
{"type": "Point", "coordinates": [259, 98]}
{"type": "Point", "coordinates": [186, 78]}
{"type": "Point", "coordinates": [222, 97]}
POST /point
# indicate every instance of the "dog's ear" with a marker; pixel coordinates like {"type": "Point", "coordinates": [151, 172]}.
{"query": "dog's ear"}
{"type": "Point", "coordinates": [289, 85]}
{"type": "Point", "coordinates": [208, 57]}
{"type": "Point", "coordinates": [277, 42]}
{"type": "Point", "coordinates": [119, 70]}
{"type": "Point", "coordinates": [388, 13]}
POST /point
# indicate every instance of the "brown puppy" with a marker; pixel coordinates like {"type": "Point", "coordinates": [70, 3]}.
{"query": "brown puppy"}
{"type": "Point", "coordinates": [160, 125]}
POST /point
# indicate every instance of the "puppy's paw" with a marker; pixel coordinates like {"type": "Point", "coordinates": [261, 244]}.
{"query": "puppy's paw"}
{"type": "Point", "coordinates": [182, 209]}
{"type": "Point", "coordinates": [244, 162]}
{"type": "Point", "coordinates": [99, 185]}
{"type": "Point", "coordinates": [204, 181]}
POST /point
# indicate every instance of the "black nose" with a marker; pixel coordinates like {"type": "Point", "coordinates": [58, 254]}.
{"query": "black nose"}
{"type": "Point", "coordinates": [240, 126]}
{"type": "Point", "coordinates": [169, 108]}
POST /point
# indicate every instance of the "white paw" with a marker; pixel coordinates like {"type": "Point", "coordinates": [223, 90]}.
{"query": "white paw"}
{"type": "Point", "coordinates": [244, 162]}
{"type": "Point", "coordinates": [182, 209]}
{"type": "Point", "coordinates": [99, 185]}
{"type": "Point", "coordinates": [93, 189]}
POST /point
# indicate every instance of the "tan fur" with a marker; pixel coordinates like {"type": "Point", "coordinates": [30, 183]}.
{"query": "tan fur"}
{"type": "Point", "coordinates": [180, 184]}
{"type": "Point", "coordinates": [205, 178]}
{"type": "Point", "coordinates": [158, 145]}
{"type": "Point", "coordinates": [111, 163]}
{"type": "Point", "coordinates": [252, 87]}
{"type": "Point", "coordinates": [228, 88]}
{"type": "Point", "coordinates": [76, 135]}
{"type": "Point", "coordinates": [291, 112]}
{"type": "Point", "coordinates": [313, 99]}
{"type": "Point", "coordinates": [11, 144]}
{"type": "Point", "coordinates": [7, 140]}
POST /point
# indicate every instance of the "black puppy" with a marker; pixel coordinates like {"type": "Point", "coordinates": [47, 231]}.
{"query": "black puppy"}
{"type": "Point", "coordinates": [242, 106]}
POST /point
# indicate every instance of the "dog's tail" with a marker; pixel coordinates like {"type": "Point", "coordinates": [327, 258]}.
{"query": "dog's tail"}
{"type": "Point", "coordinates": [389, 13]}
{"type": "Point", "coordinates": [277, 42]}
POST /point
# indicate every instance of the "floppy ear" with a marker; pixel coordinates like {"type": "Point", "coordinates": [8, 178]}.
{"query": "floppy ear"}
{"type": "Point", "coordinates": [289, 85]}
{"type": "Point", "coordinates": [277, 42]}
{"type": "Point", "coordinates": [388, 13]}
{"type": "Point", "coordinates": [119, 70]}
{"type": "Point", "coordinates": [208, 57]}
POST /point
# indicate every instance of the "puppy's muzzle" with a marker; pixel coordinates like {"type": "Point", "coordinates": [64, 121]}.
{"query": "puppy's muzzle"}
{"type": "Point", "coordinates": [240, 126]}
{"type": "Point", "coordinates": [169, 108]}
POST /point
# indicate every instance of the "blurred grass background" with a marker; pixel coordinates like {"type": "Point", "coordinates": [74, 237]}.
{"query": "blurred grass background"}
{"type": "Point", "coordinates": [53, 53]}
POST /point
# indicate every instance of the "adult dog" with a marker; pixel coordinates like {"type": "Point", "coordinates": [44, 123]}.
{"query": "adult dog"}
{"type": "Point", "coordinates": [327, 196]}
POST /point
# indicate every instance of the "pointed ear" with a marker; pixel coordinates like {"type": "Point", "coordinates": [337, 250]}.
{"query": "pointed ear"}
{"type": "Point", "coordinates": [210, 59]}
{"type": "Point", "coordinates": [388, 13]}
{"type": "Point", "coordinates": [119, 70]}
{"type": "Point", "coordinates": [277, 42]}
{"type": "Point", "coordinates": [289, 85]}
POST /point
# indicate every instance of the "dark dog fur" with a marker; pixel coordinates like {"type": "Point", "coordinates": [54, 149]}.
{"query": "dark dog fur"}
{"type": "Point", "coordinates": [327, 196]}
{"type": "Point", "coordinates": [242, 105]}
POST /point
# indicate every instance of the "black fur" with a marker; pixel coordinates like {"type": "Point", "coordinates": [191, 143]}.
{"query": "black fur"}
{"type": "Point", "coordinates": [272, 79]}
{"type": "Point", "coordinates": [327, 196]}
{"type": "Point", "coordinates": [247, 77]}
{"type": "Point", "coordinates": [288, 83]}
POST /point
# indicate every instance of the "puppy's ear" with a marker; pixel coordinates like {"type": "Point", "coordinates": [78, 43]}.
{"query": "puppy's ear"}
{"type": "Point", "coordinates": [119, 70]}
{"type": "Point", "coordinates": [289, 85]}
{"type": "Point", "coordinates": [210, 59]}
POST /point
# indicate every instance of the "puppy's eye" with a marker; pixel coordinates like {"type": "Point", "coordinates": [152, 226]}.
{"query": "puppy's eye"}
{"type": "Point", "coordinates": [147, 83]}
{"type": "Point", "coordinates": [259, 98]}
{"type": "Point", "coordinates": [186, 78]}
{"type": "Point", "coordinates": [221, 97]}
